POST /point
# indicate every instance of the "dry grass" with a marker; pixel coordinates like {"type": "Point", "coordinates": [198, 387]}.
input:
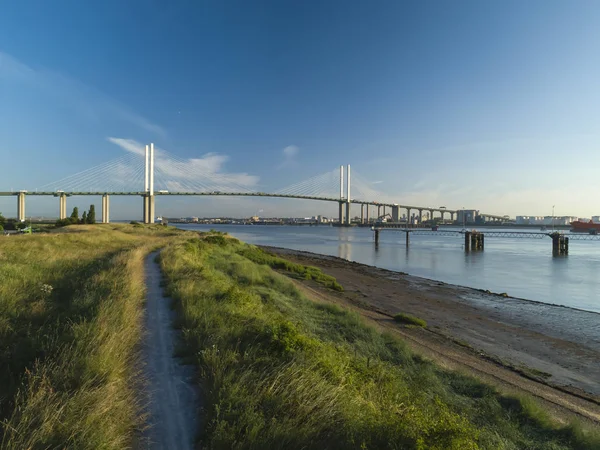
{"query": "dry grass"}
{"type": "Point", "coordinates": [71, 305]}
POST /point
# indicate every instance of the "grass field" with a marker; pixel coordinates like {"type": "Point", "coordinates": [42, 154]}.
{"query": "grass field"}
{"type": "Point", "coordinates": [280, 371]}
{"type": "Point", "coordinates": [70, 321]}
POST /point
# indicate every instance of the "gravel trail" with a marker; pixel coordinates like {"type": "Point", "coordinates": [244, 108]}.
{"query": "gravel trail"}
{"type": "Point", "coordinates": [170, 395]}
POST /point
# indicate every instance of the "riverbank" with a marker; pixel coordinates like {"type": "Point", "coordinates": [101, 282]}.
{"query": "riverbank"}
{"type": "Point", "coordinates": [283, 367]}
{"type": "Point", "coordinates": [556, 345]}
{"type": "Point", "coordinates": [282, 358]}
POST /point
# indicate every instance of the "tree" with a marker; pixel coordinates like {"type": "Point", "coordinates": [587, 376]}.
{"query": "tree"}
{"type": "Point", "coordinates": [75, 214]}
{"type": "Point", "coordinates": [63, 222]}
{"type": "Point", "coordinates": [91, 217]}
{"type": "Point", "coordinates": [84, 217]}
{"type": "Point", "coordinates": [2, 220]}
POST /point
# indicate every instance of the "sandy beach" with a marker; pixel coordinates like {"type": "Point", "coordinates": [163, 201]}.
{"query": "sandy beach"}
{"type": "Point", "coordinates": [551, 352]}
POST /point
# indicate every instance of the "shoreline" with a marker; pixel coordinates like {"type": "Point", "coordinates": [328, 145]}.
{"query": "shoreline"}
{"type": "Point", "coordinates": [433, 280]}
{"type": "Point", "coordinates": [557, 347]}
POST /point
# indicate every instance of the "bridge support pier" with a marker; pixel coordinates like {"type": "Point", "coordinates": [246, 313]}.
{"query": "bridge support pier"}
{"type": "Point", "coordinates": [341, 213]}
{"type": "Point", "coordinates": [560, 244]}
{"type": "Point", "coordinates": [149, 208]}
{"type": "Point", "coordinates": [431, 214]}
{"type": "Point", "coordinates": [420, 216]}
{"type": "Point", "coordinates": [362, 213]}
{"type": "Point", "coordinates": [348, 219]}
{"type": "Point", "coordinates": [21, 206]}
{"type": "Point", "coordinates": [408, 218]}
{"type": "Point", "coordinates": [451, 217]}
{"type": "Point", "coordinates": [152, 208]}
{"type": "Point", "coordinates": [395, 214]}
{"type": "Point", "coordinates": [147, 214]}
{"type": "Point", "coordinates": [62, 206]}
{"type": "Point", "coordinates": [105, 208]}
{"type": "Point", "coordinates": [367, 212]}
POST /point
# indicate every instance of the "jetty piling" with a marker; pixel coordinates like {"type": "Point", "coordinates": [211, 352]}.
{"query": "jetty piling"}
{"type": "Point", "coordinates": [560, 244]}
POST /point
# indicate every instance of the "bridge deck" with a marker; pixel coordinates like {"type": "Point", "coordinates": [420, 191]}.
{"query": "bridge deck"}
{"type": "Point", "coordinates": [493, 234]}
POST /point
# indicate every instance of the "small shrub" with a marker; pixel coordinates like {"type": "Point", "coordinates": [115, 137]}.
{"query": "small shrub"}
{"type": "Point", "coordinates": [409, 320]}
{"type": "Point", "coordinates": [216, 239]}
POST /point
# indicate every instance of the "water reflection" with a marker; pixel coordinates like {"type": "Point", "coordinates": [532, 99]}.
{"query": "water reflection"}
{"type": "Point", "coordinates": [522, 268]}
{"type": "Point", "coordinates": [345, 251]}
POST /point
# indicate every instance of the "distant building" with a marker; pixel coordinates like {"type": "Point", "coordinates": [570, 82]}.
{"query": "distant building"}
{"type": "Point", "coordinates": [467, 215]}
{"type": "Point", "coordinates": [596, 219]}
{"type": "Point", "coordinates": [559, 220]}
{"type": "Point", "coordinates": [545, 220]}
{"type": "Point", "coordinates": [529, 220]}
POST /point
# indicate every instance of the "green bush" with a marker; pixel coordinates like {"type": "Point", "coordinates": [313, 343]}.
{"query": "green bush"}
{"type": "Point", "coordinates": [409, 320]}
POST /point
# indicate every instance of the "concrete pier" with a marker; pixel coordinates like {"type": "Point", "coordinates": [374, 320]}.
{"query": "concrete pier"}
{"type": "Point", "coordinates": [395, 213]}
{"type": "Point", "coordinates": [474, 241]}
{"type": "Point", "coordinates": [62, 206]}
{"type": "Point", "coordinates": [152, 208]}
{"type": "Point", "coordinates": [21, 206]}
{"type": "Point", "coordinates": [348, 197]}
{"type": "Point", "coordinates": [105, 208]}
{"type": "Point", "coordinates": [348, 219]}
{"type": "Point", "coordinates": [149, 208]}
{"type": "Point", "coordinates": [560, 244]}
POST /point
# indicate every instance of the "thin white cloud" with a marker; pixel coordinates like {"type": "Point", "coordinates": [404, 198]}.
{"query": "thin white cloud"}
{"type": "Point", "coordinates": [289, 156]}
{"type": "Point", "coordinates": [86, 101]}
{"type": "Point", "coordinates": [203, 174]}
{"type": "Point", "coordinates": [290, 151]}
{"type": "Point", "coordinates": [377, 182]}
{"type": "Point", "coordinates": [129, 145]}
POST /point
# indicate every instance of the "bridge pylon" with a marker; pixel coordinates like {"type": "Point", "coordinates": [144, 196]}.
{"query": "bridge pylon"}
{"type": "Point", "coordinates": [148, 197]}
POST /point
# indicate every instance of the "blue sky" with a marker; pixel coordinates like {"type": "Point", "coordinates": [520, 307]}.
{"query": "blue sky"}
{"type": "Point", "coordinates": [487, 105]}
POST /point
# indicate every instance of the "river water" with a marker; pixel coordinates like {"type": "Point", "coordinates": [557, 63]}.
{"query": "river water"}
{"type": "Point", "coordinates": [523, 268]}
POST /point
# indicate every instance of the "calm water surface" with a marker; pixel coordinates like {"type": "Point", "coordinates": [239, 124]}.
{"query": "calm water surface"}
{"type": "Point", "coordinates": [522, 268]}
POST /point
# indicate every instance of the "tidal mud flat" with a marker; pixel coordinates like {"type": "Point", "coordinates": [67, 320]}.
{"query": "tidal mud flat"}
{"type": "Point", "coordinates": [557, 346]}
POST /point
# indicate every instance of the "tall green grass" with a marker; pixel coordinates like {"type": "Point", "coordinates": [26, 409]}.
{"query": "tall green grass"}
{"type": "Point", "coordinates": [260, 256]}
{"type": "Point", "coordinates": [70, 321]}
{"type": "Point", "coordinates": [280, 371]}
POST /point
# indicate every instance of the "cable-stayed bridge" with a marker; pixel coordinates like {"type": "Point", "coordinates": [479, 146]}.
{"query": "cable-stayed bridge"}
{"type": "Point", "coordinates": [149, 174]}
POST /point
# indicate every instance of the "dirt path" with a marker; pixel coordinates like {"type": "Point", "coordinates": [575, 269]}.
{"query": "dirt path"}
{"type": "Point", "coordinates": [458, 330]}
{"type": "Point", "coordinates": [169, 389]}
